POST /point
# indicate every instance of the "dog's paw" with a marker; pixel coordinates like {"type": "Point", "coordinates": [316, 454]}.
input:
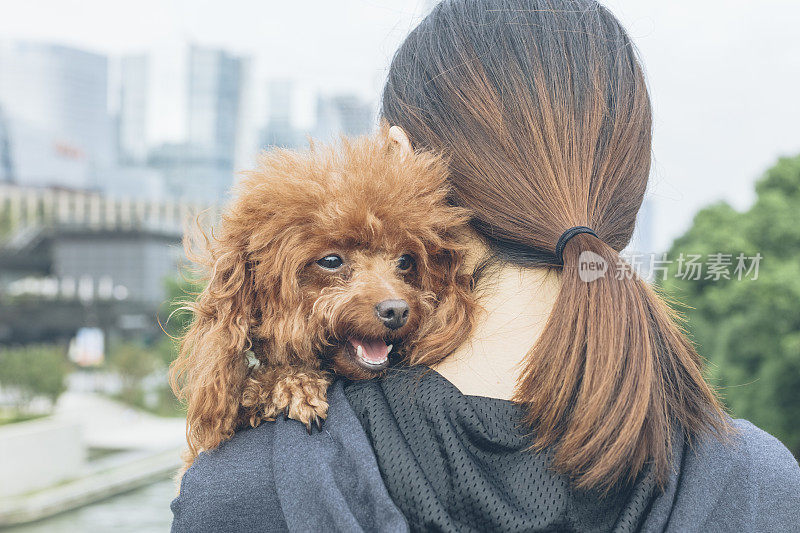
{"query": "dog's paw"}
{"type": "Point", "coordinates": [296, 394]}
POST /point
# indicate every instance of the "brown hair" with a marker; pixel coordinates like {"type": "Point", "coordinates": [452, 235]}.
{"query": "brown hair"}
{"type": "Point", "coordinates": [542, 108]}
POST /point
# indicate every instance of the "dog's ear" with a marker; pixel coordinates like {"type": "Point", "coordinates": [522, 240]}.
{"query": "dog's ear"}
{"type": "Point", "coordinates": [212, 366]}
{"type": "Point", "coordinates": [453, 316]}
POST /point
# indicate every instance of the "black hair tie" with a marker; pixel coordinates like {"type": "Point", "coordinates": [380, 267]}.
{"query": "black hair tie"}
{"type": "Point", "coordinates": [567, 235]}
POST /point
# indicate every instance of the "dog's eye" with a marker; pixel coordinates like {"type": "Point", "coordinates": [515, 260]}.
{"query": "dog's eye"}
{"type": "Point", "coordinates": [330, 262]}
{"type": "Point", "coordinates": [405, 262]}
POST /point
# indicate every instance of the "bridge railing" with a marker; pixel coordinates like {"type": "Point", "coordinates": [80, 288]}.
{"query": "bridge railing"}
{"type": "Point", "coordinates": [25, 207]}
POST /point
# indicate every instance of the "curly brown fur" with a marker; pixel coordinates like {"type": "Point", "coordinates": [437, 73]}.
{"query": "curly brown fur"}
{"type": "Point", "coordinates": [363, 201]}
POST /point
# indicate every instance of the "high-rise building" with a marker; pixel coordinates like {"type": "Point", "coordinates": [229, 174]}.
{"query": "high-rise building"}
{"type": "Point", "coordinates": [279, 130]}
{"type": "Point", "coordinates": [191, 173]}
{"type": "Point", "coordinates": [202, 168]}
{"type": "Point", "coordinates": [213, 100]}
{"type": "Point", "coordinates": [56, 113]}
{"type": "Point", "coordinates": [133, 109]}
{"type": "Point", "coordinates": [6, 164]}
{"type": "Point", "coordinates": [343, 114]}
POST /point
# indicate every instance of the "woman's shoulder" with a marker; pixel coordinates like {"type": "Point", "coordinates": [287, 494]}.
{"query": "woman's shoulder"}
{"type": "Point", "coordinates": [277, 477]}
{"type": "Point", "coordinates": [751, 483]}
{"type": "Point", "coordinates": [230, 488]}
{"type": "Point", "coordinates": [753, 459]}
{"type": "Point", "coordinates": [764, 457]}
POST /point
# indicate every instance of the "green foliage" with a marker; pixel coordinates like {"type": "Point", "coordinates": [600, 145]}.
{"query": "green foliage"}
{"type": "Point", "coordinates": [7, 218]}
{"type": "Point", "coordinates": [180, 290]}
{"type": "Point", "coordinates": [32, 371]}
{"type": "Point", "coordinates": [176, 318]}
{"type": "Point", "coordinates": [133, 363]}
{"type": "Point", "coordinates": [12, 416]}
{"type": "Point", "coordinates": [749, 330]}
{"type": "Point", "coordinates": [136, 364]}
{"type": "Point", "coordinates": [166, 348]}
{"type": "Point", "coordinates": [142, 370]}
{"type": "Point", "coordinates": [164, 403]}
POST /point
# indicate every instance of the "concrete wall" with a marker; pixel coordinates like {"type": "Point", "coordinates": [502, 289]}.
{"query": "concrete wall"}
{"type": "Point", "coordinates": [37, 454]}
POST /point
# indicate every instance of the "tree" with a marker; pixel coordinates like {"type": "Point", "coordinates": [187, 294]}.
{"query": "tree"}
{"type": "Point", "coordinates": [180, 290]}
{"type": "Point", "coordinates": [133, 363]}
{"type": "Point", "coordinates": [749, 329]}
{"type": "Point", "coordinates": [28, 372]}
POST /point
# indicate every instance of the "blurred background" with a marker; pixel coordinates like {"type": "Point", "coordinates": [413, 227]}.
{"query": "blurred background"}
{"type": "Point", "coordinates": [119, 121]}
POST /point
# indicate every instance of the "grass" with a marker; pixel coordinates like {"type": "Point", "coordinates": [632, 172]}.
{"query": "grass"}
{"type": "Point", "coordinates": [12, 417]}
{"type": "Point", "coordinates": [93, 454]}
{"type": "Point", "coordinates": [165, 403]}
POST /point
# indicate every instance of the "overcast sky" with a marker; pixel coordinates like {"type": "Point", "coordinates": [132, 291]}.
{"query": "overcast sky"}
{"type": "Point", "coordinates": [724, 74]}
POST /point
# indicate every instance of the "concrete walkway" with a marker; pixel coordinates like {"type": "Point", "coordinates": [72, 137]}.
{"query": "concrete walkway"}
{"type": "Point", "coordinates": [129, 472]}
{"type": "Point", "coordinates": [106, 423]}
{"type": "Point", "coordinates": [147, 449]}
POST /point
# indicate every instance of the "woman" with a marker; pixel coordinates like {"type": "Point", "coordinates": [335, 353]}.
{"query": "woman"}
{"type": "Point", "coordinates": [576, 403]}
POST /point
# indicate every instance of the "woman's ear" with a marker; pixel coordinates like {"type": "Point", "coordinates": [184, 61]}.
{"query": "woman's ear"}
{"type": "Point", "coordinates": [399, 140]}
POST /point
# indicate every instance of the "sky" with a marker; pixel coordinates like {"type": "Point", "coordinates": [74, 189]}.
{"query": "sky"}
{"type": "Point", "coordinates": [723, 74]}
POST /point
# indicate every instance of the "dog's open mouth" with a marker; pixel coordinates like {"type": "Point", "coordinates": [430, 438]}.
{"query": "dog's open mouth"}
{"type": "Point", "coordinates": [372, 354]}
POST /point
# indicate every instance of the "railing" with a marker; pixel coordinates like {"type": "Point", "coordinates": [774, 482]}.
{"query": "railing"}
{"type": "Point", "coordinates": [28, 207]}
{"type": "Point", "coordinates": [67, 288]}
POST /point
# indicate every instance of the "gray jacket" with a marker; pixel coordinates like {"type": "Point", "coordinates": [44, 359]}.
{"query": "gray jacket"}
{"type": "Point", "coordinates": [278, 478]}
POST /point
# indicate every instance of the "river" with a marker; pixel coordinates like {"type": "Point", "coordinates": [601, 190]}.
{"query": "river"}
{"type": "Point", "coordinates": [144, 510]}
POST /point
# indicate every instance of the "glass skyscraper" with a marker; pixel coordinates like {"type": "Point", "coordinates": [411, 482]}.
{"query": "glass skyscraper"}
{"type": "Point", "coordinates": [214, 95]}
{"type": "Point", "coordinates": [57, 125]}
{"type": "Point", "coordinates": [133, 108]}
{"type": "Point", "coordinates": [201, 169]}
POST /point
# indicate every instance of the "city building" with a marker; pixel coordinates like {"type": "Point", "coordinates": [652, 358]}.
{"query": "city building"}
{"type": "Point", "coordinates": [57, 127]}
{"type": "Point", "coordinates": [135, 182]}
{"type": "Point", "coordinates": [191, 173]}
{"type": "Point", "coordinates": [279, 130]}
{"type": "Point", "coordinates": [76, 258]}
{"type": "Point", "coordinates": [6, 164]}
{"type": "Point", "coordinates": [343, 114]}
{"type": "Point", "coordinates": [134, 86]}
{"type": "Point", "coordinates": [202, 167]}
{"type": "Point", "coordinates": [214, 92]}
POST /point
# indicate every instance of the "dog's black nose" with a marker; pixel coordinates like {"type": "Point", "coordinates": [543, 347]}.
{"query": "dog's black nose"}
{"type": "Point", "coordinates": [393, 313]}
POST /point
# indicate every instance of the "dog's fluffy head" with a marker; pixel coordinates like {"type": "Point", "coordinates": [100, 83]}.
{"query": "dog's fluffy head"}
{"type": "Point", "coordinates": [325, 258]}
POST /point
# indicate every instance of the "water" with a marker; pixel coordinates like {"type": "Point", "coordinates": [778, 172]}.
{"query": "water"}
{"type": "Point", "coordinates": [144, 510]}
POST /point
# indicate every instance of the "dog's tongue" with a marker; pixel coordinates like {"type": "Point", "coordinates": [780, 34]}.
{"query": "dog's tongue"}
{"type": "Point", "coordinates": [374, 351]}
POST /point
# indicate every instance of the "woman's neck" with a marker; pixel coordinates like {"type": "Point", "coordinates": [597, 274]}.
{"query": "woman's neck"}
{"type": "Point", "coordinates": [515, 306]}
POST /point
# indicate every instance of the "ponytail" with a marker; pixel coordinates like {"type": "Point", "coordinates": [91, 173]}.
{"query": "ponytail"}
{"type": "Point", "coordinates": [612, 376]}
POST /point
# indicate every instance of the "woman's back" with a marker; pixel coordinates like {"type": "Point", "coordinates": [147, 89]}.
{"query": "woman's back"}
{"type": "Point", "coordinates": [453, 463]}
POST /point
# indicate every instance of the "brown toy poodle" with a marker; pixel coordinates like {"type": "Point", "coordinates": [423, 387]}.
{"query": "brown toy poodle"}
{"type": "Point", "coordinates": [329, 261]}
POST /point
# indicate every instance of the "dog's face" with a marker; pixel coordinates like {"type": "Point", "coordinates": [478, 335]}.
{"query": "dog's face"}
{"type": "Point", "coordinates": [364, 301]}
{"type": "Point", "coordinates": [346, 257]}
